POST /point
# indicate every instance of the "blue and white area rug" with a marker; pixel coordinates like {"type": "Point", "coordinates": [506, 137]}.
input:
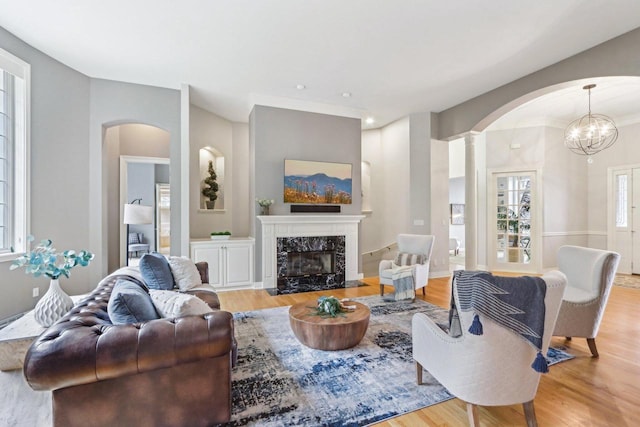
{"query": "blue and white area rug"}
{"type": "Point", "coordinates": [279, 381]}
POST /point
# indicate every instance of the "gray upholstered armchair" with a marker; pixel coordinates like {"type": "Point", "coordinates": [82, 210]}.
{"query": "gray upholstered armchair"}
{"type": "Point", "coordinates": [590, 274]}
{"type": "Point", "coordinates": [414, 250]}
{"type": "Point", "coordinates": [136, 244]}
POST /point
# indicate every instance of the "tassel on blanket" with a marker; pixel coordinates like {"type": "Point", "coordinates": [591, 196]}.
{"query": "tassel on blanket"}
{"type": "Point", "coordinates": [476, 326]}
{"type": "Point", "coordinates": [540, 364]}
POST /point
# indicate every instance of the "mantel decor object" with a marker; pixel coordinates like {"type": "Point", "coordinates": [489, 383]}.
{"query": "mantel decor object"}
{"type": "Point", "coordinates": [264, 205]}
{"type": "Point", "coordinates": [44, 260]}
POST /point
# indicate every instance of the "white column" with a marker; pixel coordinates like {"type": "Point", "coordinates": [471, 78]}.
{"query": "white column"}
{"type": "Point", "coordinates": [470, 199]}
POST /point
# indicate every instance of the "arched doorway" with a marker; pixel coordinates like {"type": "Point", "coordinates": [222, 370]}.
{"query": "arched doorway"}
{"type": "Point", "coordinates": [574, 196]}
{"type": "Point", "coordinates": [134, 154]}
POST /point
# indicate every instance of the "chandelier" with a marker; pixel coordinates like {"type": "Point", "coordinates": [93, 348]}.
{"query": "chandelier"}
{"type": "Point", "coordinates": [590, 133]}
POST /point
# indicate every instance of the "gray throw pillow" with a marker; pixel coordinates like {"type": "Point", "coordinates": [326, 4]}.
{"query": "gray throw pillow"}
{"type": "Point", "coordinates": [130, 303]}
{"type": "Point", "coordinates": [156, 272]}
{"type": "Point", "coordinates": [405, 258]}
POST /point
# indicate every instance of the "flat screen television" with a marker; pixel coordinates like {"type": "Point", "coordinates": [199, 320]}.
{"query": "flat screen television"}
{"type": "Point", "coordinates": [312, 182]}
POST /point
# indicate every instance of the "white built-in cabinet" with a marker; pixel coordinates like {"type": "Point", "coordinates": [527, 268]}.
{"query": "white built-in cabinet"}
{"type": "Point", "coordinates": [230, 261]}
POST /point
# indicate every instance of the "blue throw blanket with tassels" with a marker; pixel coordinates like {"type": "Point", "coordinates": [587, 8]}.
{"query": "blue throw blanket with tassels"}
{"type": "Point", "coordinates": [516, 303]}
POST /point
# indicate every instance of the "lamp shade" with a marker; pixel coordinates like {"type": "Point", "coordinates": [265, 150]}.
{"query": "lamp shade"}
{"type": "Point", "coordinates": [138, 214]}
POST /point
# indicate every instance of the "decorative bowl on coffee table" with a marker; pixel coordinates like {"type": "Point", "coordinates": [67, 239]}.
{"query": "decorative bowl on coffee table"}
{"type": "Point", "coordinates": [328, 333]}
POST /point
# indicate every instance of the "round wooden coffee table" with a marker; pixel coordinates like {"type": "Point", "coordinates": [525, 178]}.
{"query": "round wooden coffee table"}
{"type": "Point", "coordinates": [328, 333]}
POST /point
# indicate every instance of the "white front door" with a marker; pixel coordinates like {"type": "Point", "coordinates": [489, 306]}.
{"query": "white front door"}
{"type": "Point", "coordinates": [625, 221]}
{"type": "Point", "coordinates": [635, 222]}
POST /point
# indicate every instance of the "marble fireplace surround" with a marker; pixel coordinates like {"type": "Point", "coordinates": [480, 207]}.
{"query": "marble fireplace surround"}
{"type": "Point", "coordinates": [278, 226]}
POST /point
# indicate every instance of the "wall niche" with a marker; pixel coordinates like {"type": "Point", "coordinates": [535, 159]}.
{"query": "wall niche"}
{"type": "Point", "coordinates": [206, 155]}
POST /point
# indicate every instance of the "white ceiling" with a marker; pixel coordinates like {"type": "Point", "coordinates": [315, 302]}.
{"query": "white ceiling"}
{"type": "Point", "coordinates": [395, 57]}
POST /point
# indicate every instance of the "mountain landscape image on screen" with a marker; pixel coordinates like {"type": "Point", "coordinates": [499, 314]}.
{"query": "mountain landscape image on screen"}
{"type": "Point", "coordinates": [317, 189]}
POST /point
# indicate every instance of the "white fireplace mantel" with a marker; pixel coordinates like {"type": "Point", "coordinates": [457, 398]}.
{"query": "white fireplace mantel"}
{"type": "Point", "coordinates": [275, 226]}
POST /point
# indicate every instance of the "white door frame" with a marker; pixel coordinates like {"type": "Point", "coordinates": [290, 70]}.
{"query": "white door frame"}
{"type": "Point", "coordinates": [625, 267]}
{"type": "Point", "coordinates": [124, 163]}
{"type": "Point", "coordinates": [535, 266]}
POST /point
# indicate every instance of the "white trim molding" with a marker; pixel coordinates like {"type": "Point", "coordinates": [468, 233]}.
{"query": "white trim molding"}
{"type": "Point", "coordinates": [439, 274]}
{"type": "Point", "coordinates": [20, 167]}
{"type": "Point", "coordinates": [573, 233]}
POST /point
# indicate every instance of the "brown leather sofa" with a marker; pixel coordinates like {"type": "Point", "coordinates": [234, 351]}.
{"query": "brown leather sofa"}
{"type": "Point", "coordinates": [164, 372]}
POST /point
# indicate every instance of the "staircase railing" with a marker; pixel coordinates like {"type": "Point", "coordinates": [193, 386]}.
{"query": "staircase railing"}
{"type": "Point", "coordinates": [371, 259]}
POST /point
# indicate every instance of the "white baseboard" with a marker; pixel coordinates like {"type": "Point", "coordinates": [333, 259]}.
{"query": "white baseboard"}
{"type": "Point", "coordinates": [439, 274]}
{"type": "Point", "coordinates": [235, 288]}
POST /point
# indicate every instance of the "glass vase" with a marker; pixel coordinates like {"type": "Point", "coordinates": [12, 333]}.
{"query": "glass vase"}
{"type": "Point", "coordinates": [264, 210]}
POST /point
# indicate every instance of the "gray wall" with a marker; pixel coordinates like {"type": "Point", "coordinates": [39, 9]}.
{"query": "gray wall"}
{"type": "Point", "coordinates": [162, 173]}
{"type": "Point", "coordinates": [279, 134]}
{"type": "Point", "coordinates": [420, 174]}
{"type": "Point", "coordinates": [240, 166]}
{"type": "Point", "coordinates": [395, 159]}
{"type": "Point", "coordinates": [372, 236]}
{"type": "Point", "coordinates": [60, 186]}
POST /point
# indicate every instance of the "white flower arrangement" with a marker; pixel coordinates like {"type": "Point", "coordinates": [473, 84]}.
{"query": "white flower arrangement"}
{"type": "Point", "coordinates": [265, 203]}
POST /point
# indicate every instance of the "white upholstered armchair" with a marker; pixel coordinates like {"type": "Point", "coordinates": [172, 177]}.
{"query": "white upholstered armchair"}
{"type": "Point", "coordinates": [590, 273]}
{"type": "Point", "coordinates": [409, 244]}
{"type": "Point", "coordinates": [491, 369]}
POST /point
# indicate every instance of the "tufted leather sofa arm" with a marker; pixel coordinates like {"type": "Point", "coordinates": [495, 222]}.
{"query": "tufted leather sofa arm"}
{"type": "Point", "coordinates": [84, 347]}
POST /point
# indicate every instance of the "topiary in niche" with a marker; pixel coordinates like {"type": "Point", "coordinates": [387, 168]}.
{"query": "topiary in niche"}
{"type": "Point", "coordinates": [210, 189]}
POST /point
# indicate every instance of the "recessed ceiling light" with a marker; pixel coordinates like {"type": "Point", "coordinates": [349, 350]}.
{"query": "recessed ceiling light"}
{"type": "Point", "coordinates": [369, 120]}
{"type": "Point", "coordinates": [300, 86]}
{"type": "Point", "coordinates": [346, 94]}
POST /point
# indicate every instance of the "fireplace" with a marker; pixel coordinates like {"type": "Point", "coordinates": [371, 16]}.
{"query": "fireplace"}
{"type": "Point", "coordinates": [301, 233]}
{"type": "Point", "coordinates": [310, 263]}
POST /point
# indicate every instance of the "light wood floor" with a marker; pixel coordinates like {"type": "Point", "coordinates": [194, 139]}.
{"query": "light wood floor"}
{"type": "Point", "coordinates": [580, 392]}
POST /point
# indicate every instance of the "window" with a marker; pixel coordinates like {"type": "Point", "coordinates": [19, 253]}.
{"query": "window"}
{"type": "Point", "coordinates": [621, 201]}
{"type": "Point", "coordinates": [14, 149]}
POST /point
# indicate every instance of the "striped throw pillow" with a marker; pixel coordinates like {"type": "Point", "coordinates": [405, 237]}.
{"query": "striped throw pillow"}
{"type": "Point", "coordinates": [405, 258]}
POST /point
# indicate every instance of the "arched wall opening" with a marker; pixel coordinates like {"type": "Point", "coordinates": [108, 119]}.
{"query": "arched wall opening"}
{"type": "Point", "coordinates": [529, 132]}
{"type": "Point", "coordinates": [143, 150]}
